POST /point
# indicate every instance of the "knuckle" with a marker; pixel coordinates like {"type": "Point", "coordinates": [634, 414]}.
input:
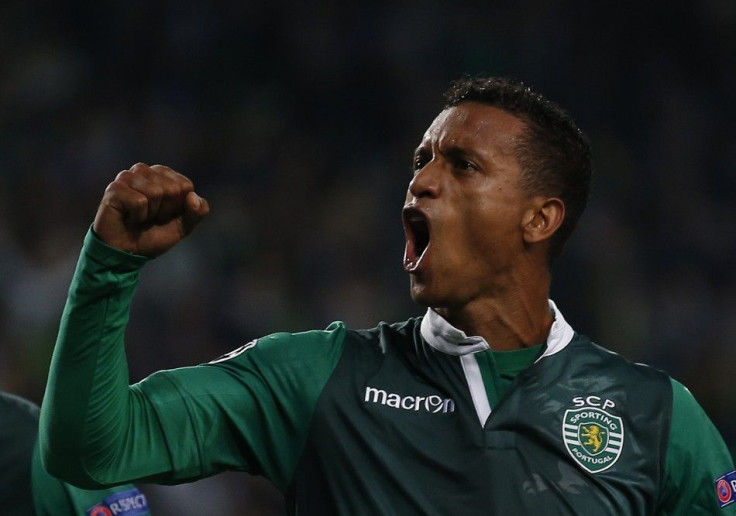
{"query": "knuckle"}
{"type": "Point", "coordinates": [186, 183]}
{"type": "Point", "coordinates": [114, 188]}
{"type": "Point", "coordinates": [165, 173]}
{"type": "Point", "coordinates": [123, 176]}
{"type": "Point", "coordinates": [172, 174]}
{"type": "Point", "coordinates": [162, 168]}
{"type": "Point", "coordinates": [139, 167]}
{"type": "Point", "coordinates": [155, 190]}
{"type": "Point", "coordinates": [138, 202]}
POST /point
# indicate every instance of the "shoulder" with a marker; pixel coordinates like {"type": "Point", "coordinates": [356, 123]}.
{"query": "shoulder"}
{"type": "Point", "coordinates": [10, 403]}
{"type": "Point", "coordinates": [18, 434]}
{"type": "Point", "coordinates": [611, 364]}
{"type": "Point", "coordinates": [697, 458]}
{"type": "Point", "coordinates": [389, 334]}
{"type": "Point", "coordinates": [20, 418]}
{"type": "Point", "coordinates": [688, 414]}
{"type": "Point", "coordinates": [377, 344]}
{"type": "Point", "coordinates": [684, 399]}
{"type": "Point", "coordinates": [287, 347]}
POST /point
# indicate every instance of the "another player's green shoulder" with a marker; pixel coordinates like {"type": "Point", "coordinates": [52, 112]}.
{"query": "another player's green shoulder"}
{"type": "Point", "coordinates": [17, 438]}
{"type": "Point", "coordinates": [53, 497]}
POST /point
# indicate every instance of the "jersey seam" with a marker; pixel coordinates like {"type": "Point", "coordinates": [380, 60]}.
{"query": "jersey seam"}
{"type": "Point", "coordinates": [195, 429]}
{"type": "Point", "coordinates": [289, 485]}
{"type": "Point", "coordinates": [664, 474]}
{"type": "Point", "coordinates": [91, 381]}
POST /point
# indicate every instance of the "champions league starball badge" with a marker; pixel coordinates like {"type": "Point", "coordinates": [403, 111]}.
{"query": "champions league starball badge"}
{"type": "Point", "coordinates": [124, 503]}
{"type": "Point", "coordinates": [593, 437]}
{"type": "Point", "coordinates": [726, 489]}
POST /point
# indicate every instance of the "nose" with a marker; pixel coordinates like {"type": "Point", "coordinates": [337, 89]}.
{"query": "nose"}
{"type": "Point", "coordinates": [426, 181]}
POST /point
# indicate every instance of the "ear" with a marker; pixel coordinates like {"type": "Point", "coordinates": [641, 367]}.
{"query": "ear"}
{"type": "Point", "coordinates": [543, 217]}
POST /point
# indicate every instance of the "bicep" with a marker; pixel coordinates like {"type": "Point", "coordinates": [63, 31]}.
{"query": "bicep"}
{"type": "Point", "coordinates": [206, 420]}
{"type": "Point", "coordinates": [250, 412]}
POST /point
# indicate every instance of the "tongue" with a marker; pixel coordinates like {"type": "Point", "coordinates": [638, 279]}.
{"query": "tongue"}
{"type": "Point", "coordinates": [411, 259]}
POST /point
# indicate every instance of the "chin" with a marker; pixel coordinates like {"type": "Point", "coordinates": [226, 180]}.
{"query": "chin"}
{"type": "Point", "coordinates": [424, 296]}
{"type": "Point", "coordinates": [421, 301]}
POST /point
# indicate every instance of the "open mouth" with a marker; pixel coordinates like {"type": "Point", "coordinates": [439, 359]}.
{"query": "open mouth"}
{"type": "Point", "coordinates": [416, 229]}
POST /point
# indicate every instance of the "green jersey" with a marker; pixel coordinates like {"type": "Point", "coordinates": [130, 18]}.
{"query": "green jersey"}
{"type": "Point", "coordinates": [25, 486]}
{"type": "Point", "coordinates": [407, 418]}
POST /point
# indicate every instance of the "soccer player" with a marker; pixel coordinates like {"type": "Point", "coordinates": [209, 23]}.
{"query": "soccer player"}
{"type": "Point", "coordinates": [25, 486]}
{"type": "Point", "coordinates": [488, 404]}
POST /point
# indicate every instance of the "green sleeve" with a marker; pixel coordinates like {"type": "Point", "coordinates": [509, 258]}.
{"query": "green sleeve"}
{"type": "Point", "coordinates": [248, 413]}
{"type": "Point", "coordinates": [696, 457]}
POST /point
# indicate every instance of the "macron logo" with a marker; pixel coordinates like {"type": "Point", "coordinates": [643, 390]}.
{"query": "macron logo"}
{"type": "Point", "coordinates": [432, 404]}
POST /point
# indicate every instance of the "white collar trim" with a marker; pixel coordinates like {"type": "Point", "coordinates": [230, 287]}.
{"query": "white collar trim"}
{"type": "Point", "coordinates": [444, 337]}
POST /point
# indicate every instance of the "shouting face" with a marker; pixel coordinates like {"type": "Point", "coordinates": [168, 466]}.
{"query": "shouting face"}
{"type": "Point", "coordinates": [465, 211]}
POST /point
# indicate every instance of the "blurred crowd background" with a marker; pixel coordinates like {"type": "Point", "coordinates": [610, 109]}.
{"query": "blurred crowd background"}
{"type": "Point", "coordinates": [297, 120]}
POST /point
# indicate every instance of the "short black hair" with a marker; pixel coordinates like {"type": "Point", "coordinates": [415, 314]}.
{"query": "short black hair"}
{"type": "Point", "coordinates": [554, 154]}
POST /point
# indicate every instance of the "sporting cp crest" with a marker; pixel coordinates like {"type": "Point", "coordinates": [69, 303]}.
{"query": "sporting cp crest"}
{"type": "Point", "coordinates": [593, 437]}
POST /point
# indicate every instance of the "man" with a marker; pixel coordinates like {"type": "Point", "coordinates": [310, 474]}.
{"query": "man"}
{"type": "Point", "coordinates": [489, 404]}
{"type": "Point", "coordinates": [25, 486]}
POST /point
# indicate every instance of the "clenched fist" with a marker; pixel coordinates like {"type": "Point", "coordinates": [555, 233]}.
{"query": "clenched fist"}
{"type": "Point", "coordinates": [147, 210]}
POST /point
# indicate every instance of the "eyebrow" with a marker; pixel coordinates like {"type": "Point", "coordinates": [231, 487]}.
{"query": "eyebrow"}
{"type": "Point", "coordinates": [456, 152]}
{"type": "Point", "coordinates": [421, 149]}
{"type": "Point", "coordinates": [453, 152]}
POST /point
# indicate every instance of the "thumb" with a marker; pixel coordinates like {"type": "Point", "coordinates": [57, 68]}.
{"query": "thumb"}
{"type": "Point", "coordinates": [196, 208]}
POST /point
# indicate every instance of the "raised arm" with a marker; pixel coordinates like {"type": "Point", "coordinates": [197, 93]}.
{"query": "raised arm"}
{"type": "Point", "coordinates": [90, 416]}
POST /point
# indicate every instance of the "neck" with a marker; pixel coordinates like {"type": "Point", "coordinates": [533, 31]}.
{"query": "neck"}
{"type": "Point", "coordinates": [513, 319]}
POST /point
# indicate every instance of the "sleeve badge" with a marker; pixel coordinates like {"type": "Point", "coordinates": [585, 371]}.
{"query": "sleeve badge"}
{"type": "Point", "coordinates": [726, 489]}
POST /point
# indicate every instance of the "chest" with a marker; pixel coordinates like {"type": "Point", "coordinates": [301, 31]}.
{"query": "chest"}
{"type": "Point", "coordinates": [571, 435]}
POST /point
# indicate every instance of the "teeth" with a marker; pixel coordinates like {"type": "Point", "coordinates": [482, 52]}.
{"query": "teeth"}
{"type": "Point", "coordinates": [417, 232]}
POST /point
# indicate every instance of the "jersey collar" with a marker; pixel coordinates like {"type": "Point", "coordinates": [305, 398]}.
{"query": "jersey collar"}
{"type": "Point", "coordinates": [444, 337]}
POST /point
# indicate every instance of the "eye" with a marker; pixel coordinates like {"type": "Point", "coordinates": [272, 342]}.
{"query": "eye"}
{"type": "Point", "coordinates": [466, 165]}
{"type": "Point", "coordinates": [418, 164]}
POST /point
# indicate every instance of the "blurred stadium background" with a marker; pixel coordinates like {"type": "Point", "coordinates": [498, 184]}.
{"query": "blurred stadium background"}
{"type": "Point", "coordinates": [297, 121]}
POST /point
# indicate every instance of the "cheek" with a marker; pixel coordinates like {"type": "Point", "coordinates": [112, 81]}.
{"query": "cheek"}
{"type": "Point", "coordinates": [493, 227]}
